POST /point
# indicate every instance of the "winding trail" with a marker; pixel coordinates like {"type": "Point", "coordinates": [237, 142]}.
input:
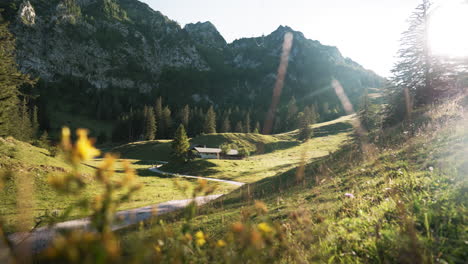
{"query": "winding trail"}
{"type": "Point", "coordinates": [40, 238]}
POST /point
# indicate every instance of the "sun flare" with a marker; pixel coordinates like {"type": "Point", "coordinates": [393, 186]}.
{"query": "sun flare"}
{"type": "Point", "coordinates": [447, 29]}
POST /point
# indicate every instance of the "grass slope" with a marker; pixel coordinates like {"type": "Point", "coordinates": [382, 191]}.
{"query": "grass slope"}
{"type": "Point", "coordinates": [404, 203]}
{"type": "Point", "coordinates": [273, 154]}
{"type": "Point", "coordinates": [29, 162]}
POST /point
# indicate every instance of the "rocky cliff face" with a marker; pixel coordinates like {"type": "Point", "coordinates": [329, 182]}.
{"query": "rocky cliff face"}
{"type": "Point", "coordinates": [123, 45]}
{"type": "Point", "coordinates": [101, 42]}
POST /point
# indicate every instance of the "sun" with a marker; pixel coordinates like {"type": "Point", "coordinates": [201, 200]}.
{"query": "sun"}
{"type": "Point", "coordinates": [448, 29]}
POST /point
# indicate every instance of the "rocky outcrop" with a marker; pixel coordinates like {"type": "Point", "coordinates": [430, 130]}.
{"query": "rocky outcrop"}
{"type": "Point", "coordinates": [26, 14]}
{"type": "Point", "coordinates": [205, 34]}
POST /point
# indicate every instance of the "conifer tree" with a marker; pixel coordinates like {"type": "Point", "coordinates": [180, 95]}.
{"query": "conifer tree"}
{"type": "Point", "coordinates": [257, 128]}
{"type": "Point", "coordinates": [44, 140]}
{"type": "Point", "coordinates": [158, 112]}
{"type": "Point", "coordinates": [185, 116]}
{"type": "Point", "coordinates": [210, 121]}
{"type": "Point", "coordinates": [247, 123]}
{"type": "Point", "coordinates": [291, 117]}
{"type": "Point", "coordinates": [239, 127]}
{"type": "Point", "coordinates": [35, 122]}
{"type": "Point", "coordinates": [181, 144]}
{"type": "Point", "coordinates": [25, 132]}
{"type": "Point", "coordinates": [150, 124]}
{"type": "Point", "coordinates": [11, 81]}
{"type": "Point", "coordinates": [166, 122]}
{"type": "Point", "coordinates": [305, 131]}
{"type": "Point", "coordinates": [226, 126]}
{"type": "Point", "coordinates": [417, 75]}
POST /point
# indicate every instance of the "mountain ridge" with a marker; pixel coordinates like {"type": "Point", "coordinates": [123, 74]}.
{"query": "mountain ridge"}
{"type": "Point", "coordinates": [127, 54]}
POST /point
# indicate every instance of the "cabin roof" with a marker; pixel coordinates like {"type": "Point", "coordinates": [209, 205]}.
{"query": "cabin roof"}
{"type": "Point", "coordinates": [208, 150]}
{"type": "Point", "coordinates": [231, 152]}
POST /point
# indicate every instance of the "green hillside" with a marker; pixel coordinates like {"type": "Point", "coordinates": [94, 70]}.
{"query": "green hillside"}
{"type": "Point", "coordinates": [27, 161]}
{"type": "Point", "coordinates": [271, 154]}
{"type": "Point", "coordinates": [403, 202]}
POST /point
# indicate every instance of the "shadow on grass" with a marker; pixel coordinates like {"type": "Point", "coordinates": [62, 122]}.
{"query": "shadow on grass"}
{"type": "Point", "coordinates": [146, 162]}
{"type": "Point", "coordinates": [332, 129]}
{"type": "Point", "coordinates": [274, 146]}
{"type": "Point", "coordinates": [198, 167]}
{"type": "Point", "coordinates": [144, 172]}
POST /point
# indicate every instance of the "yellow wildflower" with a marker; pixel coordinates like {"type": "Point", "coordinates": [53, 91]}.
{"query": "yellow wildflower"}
{"type": "Point", "coordinates": [221, 243]}
{"type": "Point", "coordinates": [265, 228]}
{"type": "Point", "coordinates": [157, 248]}
{"type": "Point", "coordinates": [200, 238]}
{"type": "Point", "coordinates": [84, 149]}
{"type": "Point", "coordinates": [66, 143]}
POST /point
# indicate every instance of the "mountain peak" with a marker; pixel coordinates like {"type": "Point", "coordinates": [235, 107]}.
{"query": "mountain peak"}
{"type": "Point", "coordinates": [205, 33]}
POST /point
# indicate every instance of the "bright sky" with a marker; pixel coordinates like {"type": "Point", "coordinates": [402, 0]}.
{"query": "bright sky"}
{"type": "Point", "coordinates": [367, 31]}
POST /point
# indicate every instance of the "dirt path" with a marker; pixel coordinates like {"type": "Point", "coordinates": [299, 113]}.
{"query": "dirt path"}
{"type": "Point", "coordinates": [41, 237]}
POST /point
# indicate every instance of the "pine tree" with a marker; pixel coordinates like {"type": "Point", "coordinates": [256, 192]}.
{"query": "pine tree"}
{"type": "Point", "coordinates": [417, 75]}
{"type": "Point", "coordinates": [210, 121]}
{"type": "Point", "coordinates": [44, 140]}
{"type": "Point", "coordinates": [291, 117]}
{"type": "Point", "coordinates": [247, 123]}
{"type": "Point", "coordinates": [11, 81]}
{"type": "Point", "coordinates": [150, 124]}
{"type": "Point", "coordinates": [158, 112]}
{"type": "Point", "coordinates": [25, 132]}
{"type": "Point", "coordinates": [305, 131]}
{"type": "Point", "coordinates": [166, 122]}
{"type": "Point", "coordinates": [239, 127]}
{"type": "Point", "coordinates": [185, 116]}
{"type": "Point", "coordinates": [226, 126]}
{"type": "Point", "coordinates": [181, 144]}
{"type": "Point", "coordinates": [35, 122]}
{"type": "Point", "coordinates": [257, 128]}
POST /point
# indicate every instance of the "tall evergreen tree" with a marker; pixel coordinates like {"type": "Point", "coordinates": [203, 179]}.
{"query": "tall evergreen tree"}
{"type": "Point", "coordinates": [10, 82]}
{"type": "Point", "coordinates": [25, 127]}
{"type": "Point", "coordinates": [150, 124]}
{"type": "Point", "coordinates": [181, 144]}
{"type": "Point", "coordinates": [226, 126]}
{"type": "Point", "coordinates": [239, 127]}
{"type": "Point", "coordinates": [291, 115]}
{"type": "Point", "coordinates": [257, 128]}
{"type": "Point", "coordinates": [166, 122]}
{"type": "Point", "coordinates": [210, 121]}
{"type": "Point", "coordinates": [158, 112]}
{"type": "Point", "coordinates": [418, 75]}
{"type": "Point", "coordinates": [305, 131]}
{"type": "Point", "coordinates": [247, 123]}
{"type": "Point", "coordinates": [185, 116]}
{"type": "Point", "coordinates": [35, 122]}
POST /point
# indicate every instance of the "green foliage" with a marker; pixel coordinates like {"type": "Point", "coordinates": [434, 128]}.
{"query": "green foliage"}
{"type": "Point", "coordinates": [369, 113]}
{"type": "Point", "coordinates": [305, 131]}
{"type": "Point", "coordinates": [210, 121]}
{"type": "Point", "coordinates": [180, 144]}
{"type": "Point", "coordinates": [419, 78]}
{"type": "Point", "coordinates": [150, 124]}
{"type": "Point", "coordinates": [11, 111]}
{"type": "Point", "coordinates": [239, 127]}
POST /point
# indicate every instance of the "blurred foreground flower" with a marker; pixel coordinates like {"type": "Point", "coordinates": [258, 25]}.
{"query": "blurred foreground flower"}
{"type": "Point", "coordinates": [265, 228]}
{"type": "Point", "coordinates": [200, 238]}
